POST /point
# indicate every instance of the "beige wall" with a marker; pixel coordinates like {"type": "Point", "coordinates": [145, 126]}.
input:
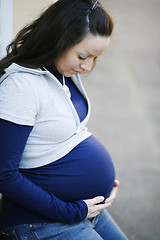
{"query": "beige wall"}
{"type": "Point", "coordinates": [24, 11]}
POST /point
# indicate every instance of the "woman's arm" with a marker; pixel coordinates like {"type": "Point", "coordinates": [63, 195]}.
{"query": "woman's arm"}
{"type": "Point", "coordinates": [13, 138]}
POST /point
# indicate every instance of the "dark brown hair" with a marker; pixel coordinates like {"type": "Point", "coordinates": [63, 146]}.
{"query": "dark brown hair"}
{"type": "Point", "coordinates": [64, 24]}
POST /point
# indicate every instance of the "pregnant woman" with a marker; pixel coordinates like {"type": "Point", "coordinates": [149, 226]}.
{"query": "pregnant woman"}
{"type": "Point", "coordinates": [56, 177]}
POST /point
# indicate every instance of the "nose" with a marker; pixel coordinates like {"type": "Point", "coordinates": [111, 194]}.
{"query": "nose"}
{"type": "Point", "coordinates": [87, 65]}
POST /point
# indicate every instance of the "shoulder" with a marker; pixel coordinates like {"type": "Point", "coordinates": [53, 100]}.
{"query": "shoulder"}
{"type": "Point", "coordinates": [19, 78]}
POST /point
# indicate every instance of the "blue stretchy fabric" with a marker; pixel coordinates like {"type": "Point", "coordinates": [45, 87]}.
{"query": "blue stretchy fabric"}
{"type": "Point", "coordinates": [24, 201]}
{"type": "Point", "coordinates": [76, 97]}
{"type": "Point", "coordinates": [65, 177]}
{"type": "Point", "coordinates": [19, 204]}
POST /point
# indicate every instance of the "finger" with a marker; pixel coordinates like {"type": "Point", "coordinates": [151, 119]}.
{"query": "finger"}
{"type": "Point", "coordinates": [112, 196]}
{"type": "Point", "coordinates": [113, 193]}
{"type": "Point", "coordinates": [95, 213]}
{"type": "Point", "coordinates": [102, 206]}
{"type": "Point", "coordinates": [96, 209]}
{"type": "Point", "coordinates": [94, 201]}
{"type": "Point", "coordinates": [110, 201]}
{"type": "Point", "coordinates": [116, 183]}
{"type": "Point", "coordinates": [97, 200]}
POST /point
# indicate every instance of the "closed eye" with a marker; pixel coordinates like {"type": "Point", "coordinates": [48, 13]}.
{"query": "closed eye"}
{"type": "Point", "coordinates": [81, 57]}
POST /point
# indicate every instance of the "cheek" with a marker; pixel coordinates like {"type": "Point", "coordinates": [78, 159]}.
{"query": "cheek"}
{"type": "Point", "coordinates": [68, 61]}
{"type": "Point", "coordinates": [71, 62]}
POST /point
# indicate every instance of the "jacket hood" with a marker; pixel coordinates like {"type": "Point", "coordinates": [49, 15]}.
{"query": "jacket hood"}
{"type": "Point", "coordinates": [15, 68]}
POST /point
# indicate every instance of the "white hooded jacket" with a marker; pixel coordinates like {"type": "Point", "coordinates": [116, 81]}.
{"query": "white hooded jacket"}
{"type": "Point", "coordinates": [35, 97]}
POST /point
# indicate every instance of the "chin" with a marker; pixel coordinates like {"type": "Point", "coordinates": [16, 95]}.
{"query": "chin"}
{"type": "Point", "coordinates": [68, 74]}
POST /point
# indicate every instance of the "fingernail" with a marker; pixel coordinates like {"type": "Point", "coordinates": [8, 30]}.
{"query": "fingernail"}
{"type": "Point", "coordinates": [101, 198]}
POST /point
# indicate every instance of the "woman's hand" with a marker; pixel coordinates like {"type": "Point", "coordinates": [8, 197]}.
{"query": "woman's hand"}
{"type": "Point", "coordinates": [95, 206]}
{"type": "Point", "coordinates": [113, 193]}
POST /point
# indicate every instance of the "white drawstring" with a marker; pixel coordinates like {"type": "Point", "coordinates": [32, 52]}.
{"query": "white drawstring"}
{"type": "Point", "coordinates": [66, 88]}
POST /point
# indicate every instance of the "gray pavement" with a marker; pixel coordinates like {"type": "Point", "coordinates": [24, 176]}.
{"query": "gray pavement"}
{"type": "Point", "coordinates": [124, 90]}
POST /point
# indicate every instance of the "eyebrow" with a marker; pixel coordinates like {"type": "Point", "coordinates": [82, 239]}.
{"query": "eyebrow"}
{"type": "Point", "coordinates": [86, 52]}
{"type": "Point", "coordinates": [90, 54]}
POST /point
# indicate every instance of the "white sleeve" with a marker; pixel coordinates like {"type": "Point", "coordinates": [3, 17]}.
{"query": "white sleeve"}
{"type": "Point", "coordinates": [18, 101]}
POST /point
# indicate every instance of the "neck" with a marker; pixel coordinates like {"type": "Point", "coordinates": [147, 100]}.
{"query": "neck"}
{"type": "Point", "coordinates": [55, 72]}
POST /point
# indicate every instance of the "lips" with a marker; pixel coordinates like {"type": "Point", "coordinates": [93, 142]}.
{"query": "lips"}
{"type": "Point", "coordinates": [76, 72]}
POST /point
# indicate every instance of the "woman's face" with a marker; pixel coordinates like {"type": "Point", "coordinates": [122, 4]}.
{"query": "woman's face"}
{"type": "Point", "coordinates": [81, 57]}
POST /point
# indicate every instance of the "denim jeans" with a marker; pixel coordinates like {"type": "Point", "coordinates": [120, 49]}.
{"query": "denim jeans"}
{"type": "Point", "coordinates": [98, 228]}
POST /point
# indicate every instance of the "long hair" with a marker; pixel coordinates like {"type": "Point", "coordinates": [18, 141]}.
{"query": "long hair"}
{"type": "Point", "coordinates": [64, 24]}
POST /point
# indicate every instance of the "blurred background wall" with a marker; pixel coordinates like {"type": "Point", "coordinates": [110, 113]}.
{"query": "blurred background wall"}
{"type": "Point", "coordinates": [6, 25]}
{"type": "Point", "coordinates": [124, 90]}
{"type": "Point", "coordinates": [25, 11]}
{"type": "Point", "coordinates": [15, 14]}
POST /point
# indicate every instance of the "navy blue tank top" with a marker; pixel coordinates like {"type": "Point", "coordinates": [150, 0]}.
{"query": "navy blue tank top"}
{"type": "Point", "coordinates": [85, 172]}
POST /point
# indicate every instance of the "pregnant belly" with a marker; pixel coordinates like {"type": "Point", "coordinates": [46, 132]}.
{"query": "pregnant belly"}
{"type": "Point", "coordinates": [87, 171]}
